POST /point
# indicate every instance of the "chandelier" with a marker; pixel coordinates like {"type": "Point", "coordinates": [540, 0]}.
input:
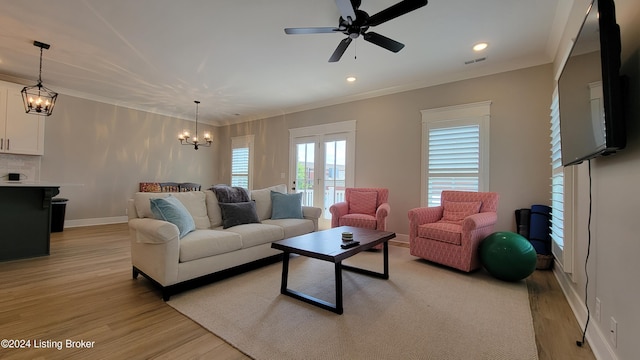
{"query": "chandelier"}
{"type": "Point", "coordinates": [38, 99]}
{"type": "Point", "coordinates": [186, 139]}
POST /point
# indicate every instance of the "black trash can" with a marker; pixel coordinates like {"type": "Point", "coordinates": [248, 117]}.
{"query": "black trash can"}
{"type": "Point", "coordinates": [58, 208]}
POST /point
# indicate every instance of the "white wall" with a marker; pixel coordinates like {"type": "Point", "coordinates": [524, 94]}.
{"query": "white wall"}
{"type": "Point", "coordinates": [100, 152]}
{"type": "Point", "coordinates": [613, 265]}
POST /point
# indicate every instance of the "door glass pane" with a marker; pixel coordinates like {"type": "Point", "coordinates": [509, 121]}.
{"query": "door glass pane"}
{"type": "Point", "coordinates": [305, 172]}
{"type": "Point", "coordinates": [334, 173]}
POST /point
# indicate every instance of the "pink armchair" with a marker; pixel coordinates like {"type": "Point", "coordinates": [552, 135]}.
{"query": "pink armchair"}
{"type": "Point", "coordinates": [363, 207]}
{"type": "Point", "coordinates": [449, 234]}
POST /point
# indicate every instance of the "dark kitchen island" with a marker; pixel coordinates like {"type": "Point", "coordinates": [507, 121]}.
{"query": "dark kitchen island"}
{"type": "Point", "coordinates": [25, 219]}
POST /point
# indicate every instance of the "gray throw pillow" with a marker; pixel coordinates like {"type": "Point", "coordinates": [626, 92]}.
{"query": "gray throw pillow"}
{"type": "Point", "coordinates": [238, 213]}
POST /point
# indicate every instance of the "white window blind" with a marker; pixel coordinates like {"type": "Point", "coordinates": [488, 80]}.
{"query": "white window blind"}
{"type": "Point", "coordinates": [561, 246]}
{"type": "Point", "coordinates": [455, 150]}
{"type": "Point", "coordinates": [241, 161]}
{"type": "Point", "coordinates": [454, 160]}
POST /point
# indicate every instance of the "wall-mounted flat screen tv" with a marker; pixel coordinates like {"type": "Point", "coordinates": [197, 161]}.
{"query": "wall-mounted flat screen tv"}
{"type": "Point", "coordinates": [589, 89]}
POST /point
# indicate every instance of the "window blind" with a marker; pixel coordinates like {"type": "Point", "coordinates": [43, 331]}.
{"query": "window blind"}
{"type": "Point", "coordinates": [240, 167]}
{"type": "Point", "coordinates": [454, 160]}
{"type": "Point", "coordinates": [557, 177]}
{"type": "Point", "coordinates": [242, 161]}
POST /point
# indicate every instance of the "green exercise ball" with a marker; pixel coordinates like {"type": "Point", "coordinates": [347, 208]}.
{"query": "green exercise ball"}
{"type": "Point", "coordinates": [508, 256]}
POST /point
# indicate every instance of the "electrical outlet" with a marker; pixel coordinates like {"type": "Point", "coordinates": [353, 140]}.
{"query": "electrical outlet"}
{"type": "Point", "coordinates": [613, 334]}
{"type": "Point", "coordinates": [597, 312]}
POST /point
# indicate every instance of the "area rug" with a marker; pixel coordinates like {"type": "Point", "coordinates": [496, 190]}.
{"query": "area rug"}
{"type": "Point", "coordinates": [423, 311]}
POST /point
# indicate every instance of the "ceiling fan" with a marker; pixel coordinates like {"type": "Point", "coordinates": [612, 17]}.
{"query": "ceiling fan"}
{"type": "Point", "coordinates": [354, 22]}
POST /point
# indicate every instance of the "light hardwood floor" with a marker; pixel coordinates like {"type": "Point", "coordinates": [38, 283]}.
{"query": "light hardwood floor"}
{"type": "Point", "coordinates": [84, 291]}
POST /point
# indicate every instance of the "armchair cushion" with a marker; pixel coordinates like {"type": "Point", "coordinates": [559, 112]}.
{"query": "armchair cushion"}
{"type": "Point", "coordinates": [456, 211]}
{"type": "Point", "coordinates": [359, 220]}
{"type": "Point", "coordinates": [442, 231]}
{"type": "Point", "coordinates": [363, 202]}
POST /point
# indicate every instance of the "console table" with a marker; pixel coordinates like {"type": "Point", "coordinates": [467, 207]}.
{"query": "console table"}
{"type": "Point", "coordinates": [25, 219]}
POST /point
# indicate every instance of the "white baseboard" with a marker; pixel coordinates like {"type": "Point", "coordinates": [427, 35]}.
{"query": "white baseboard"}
{"type": "Point", "coordinates": [403, 238]}
{"type": "Point", "coordinates": [95, 221]}
{"type": "Point", "coordinates": [595, 335]}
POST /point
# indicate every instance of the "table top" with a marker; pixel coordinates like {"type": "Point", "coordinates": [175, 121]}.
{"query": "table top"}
{"type": "Point", "coordinates": [27, 184]}
{"type": "Point", "coordinates": [325, 244]}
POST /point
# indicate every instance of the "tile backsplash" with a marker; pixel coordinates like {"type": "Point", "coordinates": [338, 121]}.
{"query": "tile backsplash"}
{"type": "Point", "coordinates": [27, 166]}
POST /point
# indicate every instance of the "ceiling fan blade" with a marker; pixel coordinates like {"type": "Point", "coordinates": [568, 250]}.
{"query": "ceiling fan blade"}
{"type": "Point", "coordinates": [346, 9]}
{"type": "Point", "coordinates": [337, 54]}
{"type": "Point", "coordinates": [311, 30]}
{"type": "Point", "coordinates": [383, 41]}
{"type": "Point", "coordinates": [394, 11]}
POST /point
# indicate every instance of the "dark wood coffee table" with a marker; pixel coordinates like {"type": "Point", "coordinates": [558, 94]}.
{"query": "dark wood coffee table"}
{"type": "Point", "coordinates": [325, 245]}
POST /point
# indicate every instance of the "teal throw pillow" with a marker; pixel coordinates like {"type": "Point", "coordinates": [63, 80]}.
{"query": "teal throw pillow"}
{"type": "Point", "coordinates": [171, 209]}
{"type": "Point", "coordinates": [286, 206]}
{"type": "Point", "coordinates": [238, 213]}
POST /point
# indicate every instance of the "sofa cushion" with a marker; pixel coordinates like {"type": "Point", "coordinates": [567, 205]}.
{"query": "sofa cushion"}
{"type": "Point", "coordinates": [262, 197]}
{"type": "Point", "coordinates": [171, 209]}
{"type": "Point", "coordinates": [363, 202]}
{"type": "Point", "coordinates": [292, 227]}
{"type": "Point", "coordinates": [442, 231]}
{"type": "Point", "coordinates": [286, 206]}
{"type": "Point", "coordinates": [194, 201]}
{"type": "Point", "coordinates": [257, 234]}
{"type": "Point", "coordinates": [234, 214]}
{"type": "Point", "coordinates": [213, 209]}
{"type": "Point", "coordinates": [204, 243]}
{"type": "Point", "coordinates": [455, 211]}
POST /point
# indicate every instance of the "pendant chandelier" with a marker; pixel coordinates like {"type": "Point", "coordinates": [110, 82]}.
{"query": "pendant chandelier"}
{"type": "Point", "coordinates": [38, 99]}
{"type": "Point", "coordinates": [186, 139]}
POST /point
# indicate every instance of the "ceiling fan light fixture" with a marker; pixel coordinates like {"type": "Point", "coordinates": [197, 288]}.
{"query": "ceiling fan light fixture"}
{"type": "Point", "coordinates": [480, 46]}
{"type": "Point", "coordinates": [351, 79]}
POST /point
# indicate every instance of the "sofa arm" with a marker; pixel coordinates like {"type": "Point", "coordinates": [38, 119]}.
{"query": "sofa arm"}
{"type": "Point", "coordinates": [479, 220]}
{"type": "Point", "coordinates": [383, 211]}
{"type": "Point", "coordinates": [152, 231]}
{"type": "Point", "coordinates": [155, 249]}
{"type": "Point", "coordinates": [313, 214]}
{"type": "Point", "coordinates": [422, 215]}
{"type": "Point", "coordinates": [310, 212]}
{"type": "Point", "coordinates": [338, 210]}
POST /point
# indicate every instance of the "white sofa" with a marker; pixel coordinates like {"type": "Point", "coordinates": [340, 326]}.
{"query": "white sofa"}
{"type": "Point", "coordinates": [209, 252]}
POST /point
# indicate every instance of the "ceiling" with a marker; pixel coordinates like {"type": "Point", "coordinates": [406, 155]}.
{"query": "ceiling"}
{"type": "Point", "coordinates": [233, 55]}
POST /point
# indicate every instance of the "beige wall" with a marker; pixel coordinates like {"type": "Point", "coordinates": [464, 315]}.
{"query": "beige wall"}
{"type": "Point", "coordinates": [100, 152]}
{"type": "Point", "coordinates": [388, 140]}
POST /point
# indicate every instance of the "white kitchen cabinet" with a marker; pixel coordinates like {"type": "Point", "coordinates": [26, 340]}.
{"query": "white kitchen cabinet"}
{"type": "Point", "coordinates": [20, 133]}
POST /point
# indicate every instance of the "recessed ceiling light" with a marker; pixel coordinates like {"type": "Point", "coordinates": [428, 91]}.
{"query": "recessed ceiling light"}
{"type": "Point", "coordinates": [351, 79]}
{"type": "Point", "coordinates": [480, 46]}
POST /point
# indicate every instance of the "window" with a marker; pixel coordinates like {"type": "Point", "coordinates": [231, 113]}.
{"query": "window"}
{"type": "Point", "coordinates": [560, 219]}
{"type": "Point", "coordinates": [455, 150]}
{"type": "Point", "coordinates": [241, 161]}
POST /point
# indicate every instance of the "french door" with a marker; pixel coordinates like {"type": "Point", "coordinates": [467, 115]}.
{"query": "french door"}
{"type": "Point", "coordinates": [322, 165]}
